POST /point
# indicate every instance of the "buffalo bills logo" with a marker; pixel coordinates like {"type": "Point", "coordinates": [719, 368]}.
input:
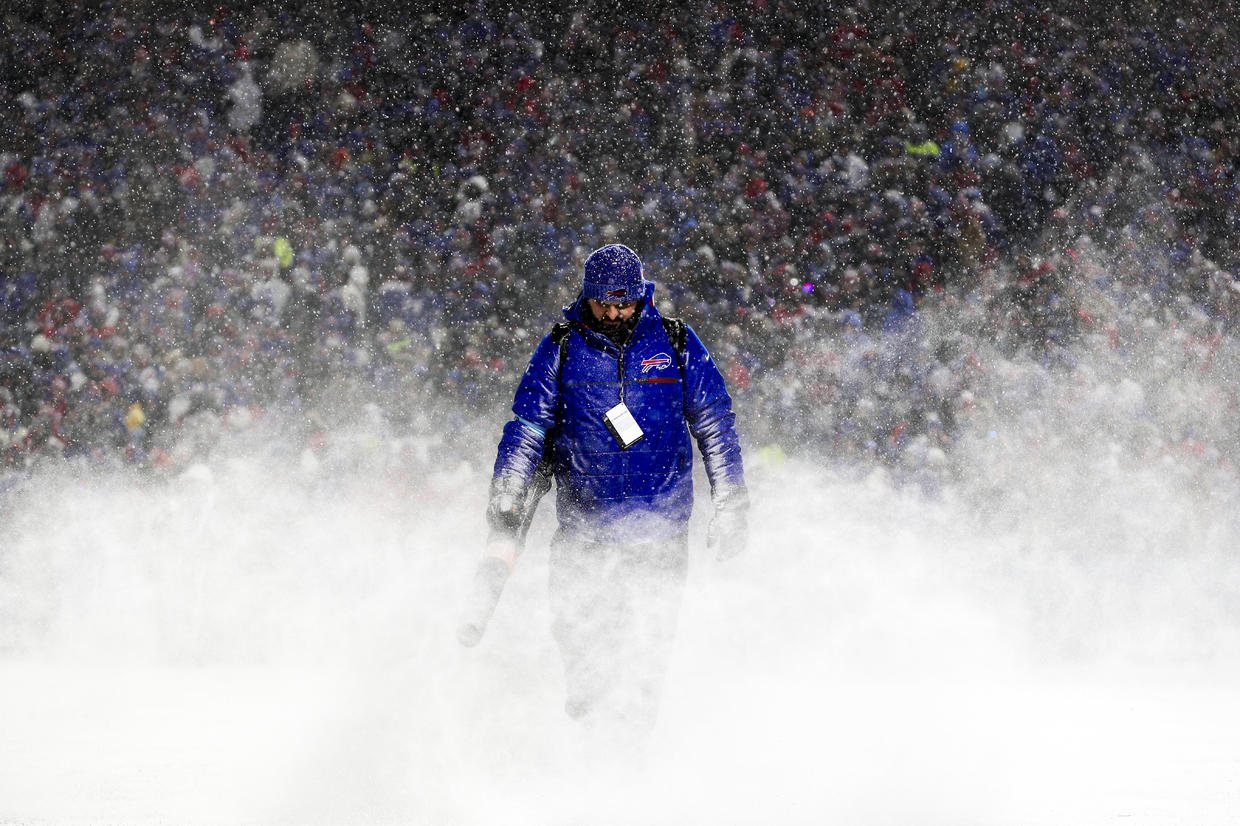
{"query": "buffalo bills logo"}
{"type": "Point", "coordinates": [616, 293]}
{"type": "Point", "coordinates": [658, 362]}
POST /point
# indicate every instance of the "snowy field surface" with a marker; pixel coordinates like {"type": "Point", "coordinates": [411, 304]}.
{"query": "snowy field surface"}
{"type": "Point", "coordinates": [250, 643]}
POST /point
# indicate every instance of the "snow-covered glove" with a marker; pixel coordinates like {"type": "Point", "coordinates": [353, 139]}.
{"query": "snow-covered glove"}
{"type": "Point", "coordinates": [728, 534]}
{"type": "Point", "coordinates": [504, 509]}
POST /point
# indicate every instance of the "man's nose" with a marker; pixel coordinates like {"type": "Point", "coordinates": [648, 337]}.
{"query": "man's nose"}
{"type": "Point", "coordinates": [613, 313]}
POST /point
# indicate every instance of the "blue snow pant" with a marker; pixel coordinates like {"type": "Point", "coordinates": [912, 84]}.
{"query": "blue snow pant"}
{"type": "Point", "coordinates": [614, 610]}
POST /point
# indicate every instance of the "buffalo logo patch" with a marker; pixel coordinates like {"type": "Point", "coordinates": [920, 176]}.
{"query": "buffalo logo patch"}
{"type": "Point", "coordinates": [658, 362]}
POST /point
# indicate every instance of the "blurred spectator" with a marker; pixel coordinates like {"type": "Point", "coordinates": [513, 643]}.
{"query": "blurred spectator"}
{"type": "Point", "coordinates": [210, 213]}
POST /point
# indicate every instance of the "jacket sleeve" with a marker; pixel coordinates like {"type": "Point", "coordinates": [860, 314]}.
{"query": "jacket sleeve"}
{"type": "Point", "coordinates": [708, 412]}
{"type": "Point", "coordinates": [521, 446]}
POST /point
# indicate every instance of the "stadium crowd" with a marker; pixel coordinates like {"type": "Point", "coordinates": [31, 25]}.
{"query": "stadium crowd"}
{"type": "Point", "coordinates": [875, 218]}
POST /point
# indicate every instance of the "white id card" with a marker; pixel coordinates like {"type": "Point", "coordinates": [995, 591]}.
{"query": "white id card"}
{"type": "Point", "coordinates": [622, 425]}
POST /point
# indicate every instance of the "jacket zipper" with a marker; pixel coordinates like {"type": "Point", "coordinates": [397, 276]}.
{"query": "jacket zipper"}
{"type": "Point", "coordinates": [621, 375]}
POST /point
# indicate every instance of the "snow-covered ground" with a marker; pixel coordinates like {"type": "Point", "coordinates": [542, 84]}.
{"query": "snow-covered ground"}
{"type": "Point", "coordinates": [249, 645]}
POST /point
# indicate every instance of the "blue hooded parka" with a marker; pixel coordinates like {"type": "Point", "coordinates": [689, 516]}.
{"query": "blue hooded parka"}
{"type": "Point", "coordinates": [605, 493]}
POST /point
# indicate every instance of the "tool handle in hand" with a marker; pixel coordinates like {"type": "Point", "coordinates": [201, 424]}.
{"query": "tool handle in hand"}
{"type": "Point", "coordinates": [489, 580]}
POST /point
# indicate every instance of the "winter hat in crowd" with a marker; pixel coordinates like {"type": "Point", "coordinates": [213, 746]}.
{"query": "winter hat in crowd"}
{"type": "Point", "coordinates": [614, 273]}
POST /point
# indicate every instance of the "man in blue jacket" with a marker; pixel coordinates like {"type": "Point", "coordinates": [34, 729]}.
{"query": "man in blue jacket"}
{"type": "Point", "coordinates": [609, 402]}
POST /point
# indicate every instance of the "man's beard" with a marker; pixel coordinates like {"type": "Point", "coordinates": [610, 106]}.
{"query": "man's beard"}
{"type": "Point", "coordinates": [618, 331]}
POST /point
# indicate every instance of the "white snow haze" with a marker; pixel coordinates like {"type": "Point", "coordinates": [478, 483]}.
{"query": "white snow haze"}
{"type": "Point", "coordinates": [1049, 639]}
